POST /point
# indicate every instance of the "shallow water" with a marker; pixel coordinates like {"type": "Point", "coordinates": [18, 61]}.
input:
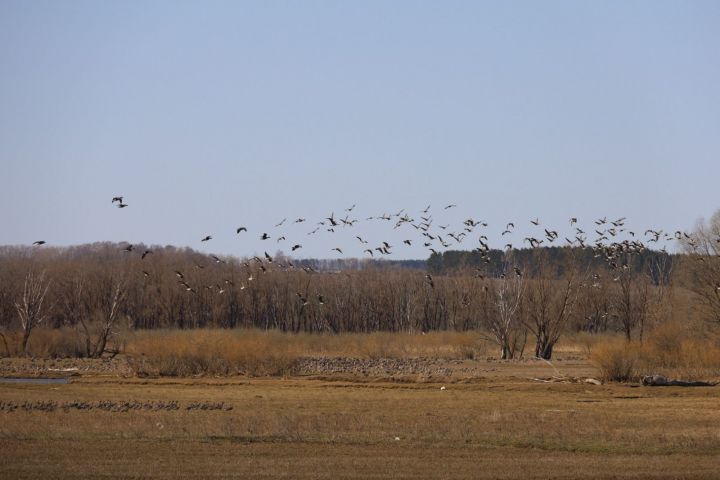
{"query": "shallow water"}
{"type": "Point", "coordinates": [42, 381]}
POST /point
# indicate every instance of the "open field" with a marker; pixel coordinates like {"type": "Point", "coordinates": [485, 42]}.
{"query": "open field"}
{"type": "Point", "coordinates": [493, 423]}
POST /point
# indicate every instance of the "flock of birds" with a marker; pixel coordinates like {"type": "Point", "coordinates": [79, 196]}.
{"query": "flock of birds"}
{"type": "Point", "coordinates": [613, 240]}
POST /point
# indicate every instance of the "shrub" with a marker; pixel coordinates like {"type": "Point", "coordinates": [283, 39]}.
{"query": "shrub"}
{"type": "Point", "coordinates": [617, 360]}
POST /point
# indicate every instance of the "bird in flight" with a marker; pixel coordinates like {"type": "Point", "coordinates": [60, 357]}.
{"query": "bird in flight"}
{"type": "Point", "coordinates": [295, 247]}
{"type": "Point", "coordinates": [240, 229]}
{"type": "Point", "coordinates": [205, 239]}
{"type": "Point", "coordinates": [39, 242]}
{"type": "Point", "coordinates": [121, 205]}
{"type": "Point", "coordinates": [264, 236]}
{"type": "Point", "coordinates": [281, 222]}
{"type": "Point", "coordinates": [535, 222]}
{"type": "Point", "coordinates": [338, 250]}
{"type": "Point", "coordinates": [145, 254]}
{"type": "Point", "coordinates": [452, 205]}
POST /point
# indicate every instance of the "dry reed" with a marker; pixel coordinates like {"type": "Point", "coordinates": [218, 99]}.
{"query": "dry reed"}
{"type": "Point", "coordinates": [272, 353]}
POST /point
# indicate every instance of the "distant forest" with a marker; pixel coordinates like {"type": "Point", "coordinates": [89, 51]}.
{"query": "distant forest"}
{"type": "Point", "coordinates": [495, 262]}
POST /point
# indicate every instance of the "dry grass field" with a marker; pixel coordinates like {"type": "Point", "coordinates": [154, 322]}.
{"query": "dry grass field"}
{"type": "Point", "coordinates": [496, 423]}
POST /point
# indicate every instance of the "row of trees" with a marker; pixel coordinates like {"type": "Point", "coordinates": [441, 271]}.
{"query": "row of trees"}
{"type": "Point", "coordinates": [527, 295]}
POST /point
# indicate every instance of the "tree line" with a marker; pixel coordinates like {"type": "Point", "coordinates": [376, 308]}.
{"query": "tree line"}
{"type": "Point", "coordinates": [523, 300]}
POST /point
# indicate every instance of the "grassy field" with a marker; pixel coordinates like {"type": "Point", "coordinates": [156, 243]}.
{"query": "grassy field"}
{"type": "Point", "coordinates": [498, 424]}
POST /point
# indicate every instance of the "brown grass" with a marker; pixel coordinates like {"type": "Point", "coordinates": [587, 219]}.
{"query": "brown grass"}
{"type": "Point", "coordinates": [670, 349]}
{"type": "Point", "coordinates": [495, 428]}
{"type": "Point", "coordinates": [273, 353]}
{"type": "Point", "coordinates": [44, 343]}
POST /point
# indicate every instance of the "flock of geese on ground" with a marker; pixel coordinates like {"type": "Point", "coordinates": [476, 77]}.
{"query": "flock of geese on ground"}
{"type": "Point", "coordinates": [607, 244]}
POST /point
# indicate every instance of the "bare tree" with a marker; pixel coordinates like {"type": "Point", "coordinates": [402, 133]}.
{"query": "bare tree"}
{"type": "Point", "coordinates": [630, 301]}
{"type": "Point", "coordinates": [661, 298]}
{"type": "Point", "coordinates": [31, 306]}
{"type": "Point", "coordinates": [505, 325]}
{"type": "Point", "coordinates": [703, 249]}
{"type": "Point", "coordinates": [110, 304]}
{"type": "Point", "coordinates": [550, 303]}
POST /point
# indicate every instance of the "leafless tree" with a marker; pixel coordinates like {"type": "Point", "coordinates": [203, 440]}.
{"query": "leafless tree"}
{"type": "Point", "coordinates": [630, 301]}
{"type": "Point", "coordinates": [661, 295]}
{"type": "Point", "coordinates": [110, 305]}
{"type": "Point", "coordinates": [703, 249]}
{"type": "Point", "coordinates": [550, 303]}
{"type": "Point", "coordinates": [31, 306]}
{"type": "Point", "coordinates": [505, 326]}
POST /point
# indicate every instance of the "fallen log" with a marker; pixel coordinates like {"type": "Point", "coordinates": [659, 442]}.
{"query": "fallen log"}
{"type": "Point", "coordinates": [663, 381]}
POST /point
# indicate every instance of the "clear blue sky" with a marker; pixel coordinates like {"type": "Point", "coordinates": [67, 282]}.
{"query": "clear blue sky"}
{"type": "Point", "coordinates": [211, 115]}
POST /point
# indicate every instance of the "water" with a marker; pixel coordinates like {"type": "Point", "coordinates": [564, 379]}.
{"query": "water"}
{"type": "Point", "coordinates": [41, 381]}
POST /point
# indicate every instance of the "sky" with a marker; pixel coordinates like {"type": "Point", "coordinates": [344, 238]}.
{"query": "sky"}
{"type": "Point", "coordinates": [211, 115]}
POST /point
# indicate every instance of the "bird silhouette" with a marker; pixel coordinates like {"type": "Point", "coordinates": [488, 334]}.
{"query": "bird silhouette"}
{"type": "Point", "coordinates": [39, 242]}
{"type": "Point", "coordinates": [205, 239]}
{"type": "Point", "coordinates": [240, 229]}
